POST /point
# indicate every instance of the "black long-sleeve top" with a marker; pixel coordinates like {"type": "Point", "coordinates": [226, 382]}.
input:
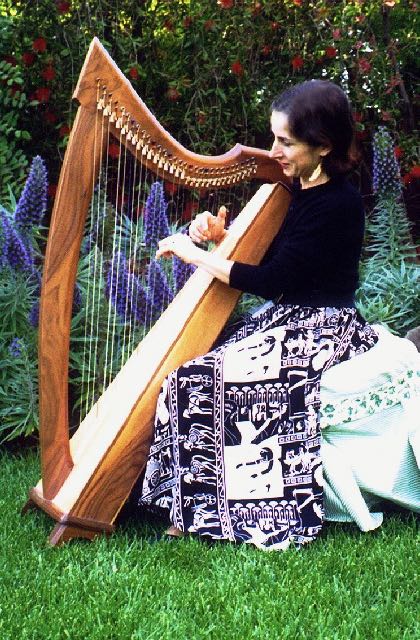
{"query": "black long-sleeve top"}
{"type": "Point", "coordinates": [314, 258]}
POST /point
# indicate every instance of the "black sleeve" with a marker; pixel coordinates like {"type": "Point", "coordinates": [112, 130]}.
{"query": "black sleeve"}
{"type": "Point", "coordinates": [313, 242]}
{"type": "Point", "coordinates": [290, 259]}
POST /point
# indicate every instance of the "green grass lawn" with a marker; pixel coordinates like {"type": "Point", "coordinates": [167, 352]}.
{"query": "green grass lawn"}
{"type": "Point", "coordinates": [347, 585]}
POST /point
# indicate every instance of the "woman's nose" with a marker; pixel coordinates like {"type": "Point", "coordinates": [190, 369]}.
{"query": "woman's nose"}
{"type": "Point", "coordinates": [275, 151]}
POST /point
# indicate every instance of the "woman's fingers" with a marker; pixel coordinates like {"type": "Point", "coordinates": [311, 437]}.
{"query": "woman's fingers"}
{"type": "Point", "coordinates": [206, 226]}
{"type": "Point", "coordinates": [179, 245]}
{"type": "Point", "coordinates": [221, 215]}
{"type": "Point", "coordinates": [199, 228]}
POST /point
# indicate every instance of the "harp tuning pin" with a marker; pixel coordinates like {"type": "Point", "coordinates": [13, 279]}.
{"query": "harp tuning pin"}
{"type": "Point", "coordinates": [112, 116]}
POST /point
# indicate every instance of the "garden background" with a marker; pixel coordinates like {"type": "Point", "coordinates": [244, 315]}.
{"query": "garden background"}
{"type": "Point", "coordinates": [208, 70]}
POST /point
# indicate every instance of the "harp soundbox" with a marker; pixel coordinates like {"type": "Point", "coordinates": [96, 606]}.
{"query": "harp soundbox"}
{"type": "Point", "coordinates": [86, 478]}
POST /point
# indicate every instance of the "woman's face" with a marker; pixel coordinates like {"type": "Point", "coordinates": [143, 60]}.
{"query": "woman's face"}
{"type": "Point", "coordinates": [297, 159]}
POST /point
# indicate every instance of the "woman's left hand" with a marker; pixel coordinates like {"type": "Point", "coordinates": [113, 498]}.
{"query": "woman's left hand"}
{"type": "Point", "coordinates": [179, 245]}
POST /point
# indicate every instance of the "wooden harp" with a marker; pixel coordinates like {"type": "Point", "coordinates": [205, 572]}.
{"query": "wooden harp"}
{"type": "Point", "coordinates": [87, 478]}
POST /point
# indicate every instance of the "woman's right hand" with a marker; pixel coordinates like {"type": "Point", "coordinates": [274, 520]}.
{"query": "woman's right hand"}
{"type": "Point", "coordinates": [208, 228]}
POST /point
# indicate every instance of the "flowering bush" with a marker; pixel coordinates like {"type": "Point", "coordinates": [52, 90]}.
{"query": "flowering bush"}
{"type": "Point", "coordinates": [210, 69]}
{"type": "Point", "coordinates": [20, 232]}
{"type": "Point", "coordinates": [390, 273]}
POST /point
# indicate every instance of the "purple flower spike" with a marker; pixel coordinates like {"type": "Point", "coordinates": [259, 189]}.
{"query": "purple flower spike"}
{"type": "Point", "coordinates": [181, 272]}
{"type": "Point", "coordinates": [33, 202]}
{"type": "Point", "coordinates": [139, 301]}
{"type": "Point", "coordinates": [5, 231]}
{"type": "Point", "coordinates": [33, 316]}
{"type": "Point", "coordinates": [160, 293]}
{"type": "Point", "coordinates": [386, 171]}
{"type": "Point", "coordinates": [156, 224]}
{"type": "Point", "coordinates": [15, 250]}
{"type": "Point", "coordinates": [15, 348]}
{"type": "Point", "coordinates": [116, 287]}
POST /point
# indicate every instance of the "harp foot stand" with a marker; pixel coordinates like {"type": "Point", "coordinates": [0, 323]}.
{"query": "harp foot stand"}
{"type": "Point", "coordinates": [68, 526]}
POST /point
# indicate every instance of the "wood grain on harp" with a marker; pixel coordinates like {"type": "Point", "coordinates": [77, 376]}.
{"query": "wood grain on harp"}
{"type": "Point", "coordinates": [86, 479]}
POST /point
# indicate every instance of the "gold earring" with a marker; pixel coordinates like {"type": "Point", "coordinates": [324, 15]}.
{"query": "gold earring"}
{"type": "Point", "coordinates": [315, 173]}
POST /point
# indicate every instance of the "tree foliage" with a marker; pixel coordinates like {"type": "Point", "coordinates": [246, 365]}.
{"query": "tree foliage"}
{"type": "Point", "coordinates": [209, 70]}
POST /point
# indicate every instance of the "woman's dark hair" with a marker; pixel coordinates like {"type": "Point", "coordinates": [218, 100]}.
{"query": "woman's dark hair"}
{"type": "Point", "coordinates": [319, 113]}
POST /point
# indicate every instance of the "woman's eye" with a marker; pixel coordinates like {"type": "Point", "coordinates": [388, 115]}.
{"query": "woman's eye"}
{"type": "Point", "coordinates": [283, 143]}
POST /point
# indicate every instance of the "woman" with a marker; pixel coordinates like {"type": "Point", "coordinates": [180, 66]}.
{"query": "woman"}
{"type": "Point", "coordinates": [236, 450]}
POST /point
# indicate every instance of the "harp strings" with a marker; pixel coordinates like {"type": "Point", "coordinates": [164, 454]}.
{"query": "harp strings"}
{"type": "Point", "coordinates": [126, 288]}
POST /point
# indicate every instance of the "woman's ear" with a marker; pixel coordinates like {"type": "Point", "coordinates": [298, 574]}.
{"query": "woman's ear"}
{"type": "Point", "coordinates": [324, 151]}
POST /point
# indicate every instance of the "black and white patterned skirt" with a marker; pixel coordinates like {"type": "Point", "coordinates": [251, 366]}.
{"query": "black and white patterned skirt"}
{"type": "Point", "coordinates": [236, 448]}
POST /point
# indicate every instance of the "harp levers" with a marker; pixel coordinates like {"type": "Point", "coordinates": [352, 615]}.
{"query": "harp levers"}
{"type": "Point", "coordinates": [121, 169]}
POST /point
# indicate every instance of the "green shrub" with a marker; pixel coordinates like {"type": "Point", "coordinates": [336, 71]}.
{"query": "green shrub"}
{"type": "Point", "coordinates": [390, 272]}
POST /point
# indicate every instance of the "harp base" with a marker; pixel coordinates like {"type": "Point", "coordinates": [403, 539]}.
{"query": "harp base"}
{"type": "Point", "coordinates": [68, 526]}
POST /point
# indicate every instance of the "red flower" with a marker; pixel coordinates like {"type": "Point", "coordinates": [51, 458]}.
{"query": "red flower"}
{"type": "Point", "coordinates": [386, 116]}
{"type": "Point", "coordinates": [168, 25]}
{"type": "Point", "coordinates": [171, 188]}
{"type": "Point", "coordinates": [297, 62]}
{"type": "Point", "coordinates": [274, 26]}
{"type": "Point", "coordinates": [360, 19]}
{"type": "Point", "coordinates": [114, 150]}
{"type": "Point", "coordinates": [209, 25]}
{"type": "Point", "coordinates": [14, 89]}
{"type": "Point", "coordinates": [358, 117]}
{"type": "Point", "coordinates": [298, 3]}
{"type": "Point", "coordinates": [187, 22]}
{"type": "Point", "coordinates": [133, 73]}
{"type": "Point", "coordinates": [173, 94]}
{"type": "Point", "coordinates": [48, 73]}
{"type": "Point", "coordinates": [361, 135]}
{"type": "Point", "coordinates": [236, 68]}
{"type": "Point", "coordinates": [39, 45]}
{"type": "Point", "coordinates": [398, 152]}
{"type": "Point", "coordinates": [63, 7]}
{"type": "Point", "coordinates": [28, 58]}
{"type": "Point", "coordinates": [50, 117]}
{"type": "Point", "coordinates": [64, 130]}
{"type": "Point", "coordinates": [52, 190]}
{"type": "Point", "coordinates": [266, 50]}
{"type": "Point", "coordinates": [257, 9]}
{"type": "Point", "coordinates": [226, 4]}
{"type": "Point", "coordinates": [330, 52]}
{"type": "Point", "coordinates": [42, 94]}
{"type": "Point", "coordinates": [394, 82]}
{"type": "Point", "coordinates": [190, 210]}
{"type": "Point", "coordinates": [11, 60]}
{"type": "Point", "coordinates": [415, 171]}
{"type": "Point", "coordinates": [201, 118]}
{"type": "Point", "coordinates": [336, 34]}
{"type": "Point", "coordinates": [364, 65]}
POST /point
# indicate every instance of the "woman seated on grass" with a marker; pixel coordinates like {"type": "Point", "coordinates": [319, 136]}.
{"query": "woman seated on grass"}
{"type": "Point", "coordinates": [237, 451]}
